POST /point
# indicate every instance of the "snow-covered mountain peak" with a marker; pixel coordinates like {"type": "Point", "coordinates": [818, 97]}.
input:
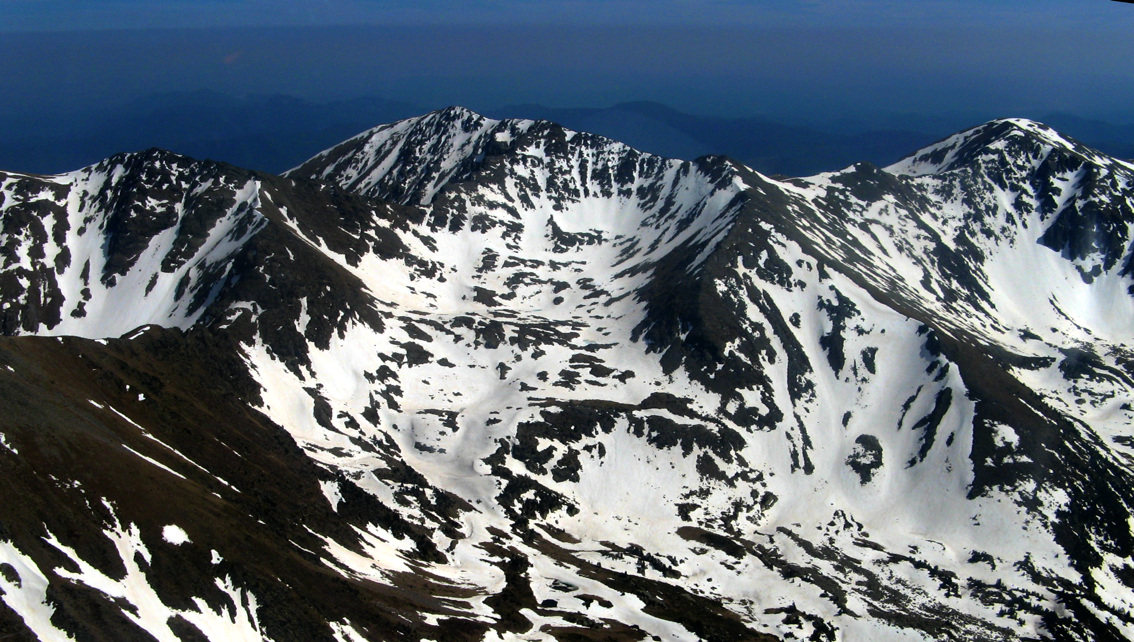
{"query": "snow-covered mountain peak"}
{"type": "Point", "coordinates": [414, 160]}
{"type": "Point", "coordinates": [980, 210]}
{"type": "Point", "coordinates": [139, 238]}
{"type": "Point", "coordinates": [410, 160]}
{"type": "Point", "coordinates": [520, 205]}
{"type": "Point", "coordinates": [1013, 140]}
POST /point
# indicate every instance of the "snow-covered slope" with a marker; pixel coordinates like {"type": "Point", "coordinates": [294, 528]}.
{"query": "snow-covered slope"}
{"type": "Point", "coordinates": [1005, 226]}
{"type": "Point", "coordinates": [544, 385]}
{"type": "Point", "coordinates": [136, 239]}
{"type": "Point", "coordinates": [411, 160]}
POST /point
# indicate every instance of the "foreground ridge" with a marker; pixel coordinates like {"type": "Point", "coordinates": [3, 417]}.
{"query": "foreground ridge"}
{"type": "Point", "coordinates": [460, 378]}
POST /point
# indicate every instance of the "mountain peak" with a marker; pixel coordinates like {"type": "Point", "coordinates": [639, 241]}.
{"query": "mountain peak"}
{"type": "Point", "coordinates": [1014, 137]}
{"type": "Point", "coordinates": [411, 160]}
{"type": "Point", "coordinates": [456, 111]}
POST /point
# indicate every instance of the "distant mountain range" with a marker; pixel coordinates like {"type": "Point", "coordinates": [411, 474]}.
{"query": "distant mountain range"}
{"type": "Point", "coordinates": [269, 133]}
{"type": "Point", "coordinates": [274, 133]}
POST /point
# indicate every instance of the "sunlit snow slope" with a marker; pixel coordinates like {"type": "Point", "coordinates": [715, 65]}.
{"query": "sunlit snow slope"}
{"type": "Point", "coordinates": [460, 378]}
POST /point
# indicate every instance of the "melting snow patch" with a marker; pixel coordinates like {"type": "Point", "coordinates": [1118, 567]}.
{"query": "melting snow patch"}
{"type": "Point", "coordinates": [155, 463]}
{"type": "Point", "coordinates": [344, 632]}
{"type": "Point", "coordinates": [7, 446]}
{"type": "Point", "coordinates": [175, 535]}
{"type": "Point", "coordinates": [331, 490]}
{"type": "Point", "coordinates": [23, 589]}
{"type": "Point", "coordinates": [137, 333]}
{"type": "Point", "coordinates": [145, 607]}
{"type": "Point", "coordinates": [1005, 436]}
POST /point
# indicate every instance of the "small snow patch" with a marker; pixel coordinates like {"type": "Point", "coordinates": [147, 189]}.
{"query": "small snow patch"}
{"type": "Point", "coordinates": [1005, 436]}
{"type": "Point", "coordinates": [7, 446]}
{"type": "Point", "coordinates": [137, 333]}
{"type": "Point", "coordinates": [174, 535]}
{"type": "Point", "coordinates": [332, 492]}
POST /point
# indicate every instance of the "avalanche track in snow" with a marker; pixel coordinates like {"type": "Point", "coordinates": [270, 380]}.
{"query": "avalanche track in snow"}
{"type": "Point", "coordinates": [459, 378]}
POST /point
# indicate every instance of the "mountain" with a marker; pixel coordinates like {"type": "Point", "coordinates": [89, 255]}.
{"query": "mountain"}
{"type": "Point", "coordinates": [778, 145]}
{"type": "Point", "coordinates": [764, 144]}
{"type": "Point", "coordinates": [465, 378]}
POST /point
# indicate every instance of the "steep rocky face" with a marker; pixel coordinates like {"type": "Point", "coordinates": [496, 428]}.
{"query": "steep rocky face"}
{"type": "Point", "coordinates": [957, 226]}
{"type": "Point", "coordinates": [410, 161]}
{"type": "Point", "coordinates": [139, 238]}
{"type": "Point", "coordinates": [497, 379]}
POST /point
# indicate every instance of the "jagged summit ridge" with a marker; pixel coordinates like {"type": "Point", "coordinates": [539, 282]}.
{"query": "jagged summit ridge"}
{"type": "Point", "coordinates": [472, 379]}
{"type": "Point", "coordinates": [985, 140]}
{"type": "Point", "coordinates": [426, 151]}
{"type": "Point", "coordinates": [1010, 207]}
{"type": "Point", "coordinates": [532, 194]}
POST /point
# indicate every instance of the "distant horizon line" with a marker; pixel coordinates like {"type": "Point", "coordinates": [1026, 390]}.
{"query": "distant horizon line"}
{"type": "Point", "coordinates": [978, 113]}
{"type": "Point", "coordinates": [742, 27]}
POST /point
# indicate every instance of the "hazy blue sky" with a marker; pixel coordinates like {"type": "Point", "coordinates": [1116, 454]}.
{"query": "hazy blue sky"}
{"type": "Point", "coordinates": [820, 58]}
{"type": "Point", "coordinates": [55, 15]}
